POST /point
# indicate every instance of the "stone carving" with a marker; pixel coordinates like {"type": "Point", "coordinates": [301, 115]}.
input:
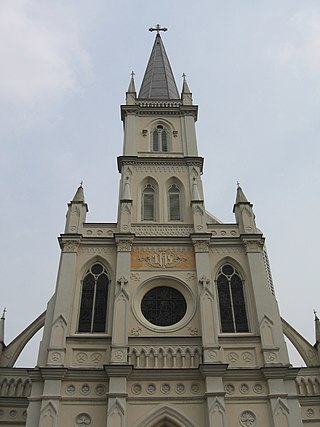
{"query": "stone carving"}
{"type": "Point", "coordinates": [96, 357]}
{"type": "Point", "coordinates": [85, 389]}
{"type": "Point", "coordinates": [13, 413]}
{"type": "Point", "coordinates": [105, 250]}
{"type": "Point", "coordinates": [195, 388]}
{"type": "Point", "coordinates": [229, 388]}
{"type": "Point", "coordinates": [151, 389]}
{"type": "Point", "coordinates": [100, 389]}
{"type": "Point", "coordinates": [70, 245]}
{"type": "Point", "coordinates": [135, 276]}
{"type": "Point", "coordinates": [24, 415]}
{"type": "Point", "coordinates": [201, 245]}
{"type": "Point", "coordinates": [83, 420]}
{"type": "Point", "coordinates": [180, 388]}
{"type": "Point", "coordinates": [165, 388]}
{"type": "Point", "coordinates": [163, 259]}
{"type": "Point", "coordinates": [118, 355]}
{"type": "Point", "coordinates": [247, 419]}
{"type": "Point", "coordinates": [253, 245]}
{"type": "Point", "coordinates": [122, 282]}
{"type": "Point", "coordinates": [310, 412]}
{"type": "Point", "coordinates": [191, 276]}
{"type": "Point", "coordinates": [136, 388]}
{"type": "Point", "coordinates": [135, 332]}
{"type": "Point", "coordinates": [212, 355]}
{"type": "Point", "coordinates": [70, 389]}
{"type": "Point", "coordinates": [81, 358]}
{"type": "Point", "coordinates": [257, 388]}
{"type": "Point", "coordinates": [247, 357]}
{"type": "Point", "coordinates": [193, 331]}
{"type": "Point", "coordinates": [244, 388]}
{"type": "Point", "coordinates": [124, 245]}
{"type": "Point", "coordinates": [233, 357]}
{"type": "Point", "coordinates": [1, 412]}
{"type": "Point", "coordinates": [272, 356]}
{"type": "Point", "coordinates": [162, 230]}
{"type": "Point", "coordinates": [204, 281]}
{"type": "Point", "coordinates": [225, 251]}
{"type": "Point", "coordinates": [55, 357]}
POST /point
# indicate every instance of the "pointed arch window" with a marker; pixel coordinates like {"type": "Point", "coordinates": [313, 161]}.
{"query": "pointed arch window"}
{"type": "Point", "coordinates": [233, 315]}
{"type": "Point", "coordinates": [148, 203]}
{"type": "Point", "coordinates": [94, 300]}
{"type": "Point", "coordinates": [159, 139]}
{"type": "Point", "coordinates": [174, 203]}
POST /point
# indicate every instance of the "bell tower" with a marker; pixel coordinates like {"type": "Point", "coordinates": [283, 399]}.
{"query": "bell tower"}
{"type": "Point", "coordinates": [167, 317]}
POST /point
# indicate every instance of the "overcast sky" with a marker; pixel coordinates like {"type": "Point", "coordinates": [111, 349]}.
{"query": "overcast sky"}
{"type": "Point", "coordinates": [254, 70]}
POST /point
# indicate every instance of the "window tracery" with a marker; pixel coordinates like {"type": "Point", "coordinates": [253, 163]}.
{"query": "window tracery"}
{"type": "Point", "coordinates": [94, 299]}
{"type": "Point", "coordinates": [232, 306]}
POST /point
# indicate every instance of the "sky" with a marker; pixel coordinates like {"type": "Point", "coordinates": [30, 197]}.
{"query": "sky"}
{"type": "Point", "coordinates": [254, 70]}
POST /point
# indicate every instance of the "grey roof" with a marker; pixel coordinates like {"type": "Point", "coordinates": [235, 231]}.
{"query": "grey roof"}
{"type": "Point", "coordinates": [158, 81]}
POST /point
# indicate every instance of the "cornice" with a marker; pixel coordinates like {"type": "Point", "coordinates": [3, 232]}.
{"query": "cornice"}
{"type": "Point", "coordinates": [160, 108]}
{"type": "Point", "coordinates": [165, 374]}
{"type": "Point", "coordinates": [159, 161]}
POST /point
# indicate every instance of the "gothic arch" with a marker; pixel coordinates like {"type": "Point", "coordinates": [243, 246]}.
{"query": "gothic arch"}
{"type": "Point", "coordinates": [93, 260]}
{"type": "Point", "coordinates": [164, 122]}
{"type": "Point", "coordinates": [165, 416]}
{"type": "Point", "coordinates": [148, 180]}
{"type": "Point", "coordinates": [174, 181]}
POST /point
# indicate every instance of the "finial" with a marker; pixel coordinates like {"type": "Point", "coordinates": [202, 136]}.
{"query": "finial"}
{"type": "Point", "coordinates": [4, 313]}
{"type": "Point", "coordinates": [133, 74]}
{"type": "Point", "coordinates": [315, 315]}
{"type": "Point", "coordinates": [81, 183]}
{"type": "Point", "coordinates": [238, 184]}
{"type": "Point", "coordinates": [184, 76]}
{"type": "Point", "coordinates": [158, 29]}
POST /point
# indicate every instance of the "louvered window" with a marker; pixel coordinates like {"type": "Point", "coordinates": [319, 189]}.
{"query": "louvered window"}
{"type": "Point", "coordinates": [148, 209]}
{"type": "Point", "coordinates": [160, 139]}
{"type": "Point", "coordinates": [94, 299]}
{"type": "Point", "coordinates": [232, 306]}
{"type": "Point", "coordinates": [174, 203]}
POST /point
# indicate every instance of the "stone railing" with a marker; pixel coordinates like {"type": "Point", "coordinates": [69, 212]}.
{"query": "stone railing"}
{"type": "Point", "coordinates": [162, 230]}
{"type": "Point", "coordinates": [165, 356]}
{"type": "Point", "coordinates": [15, 385]}
{"type": "Point", "coordinates": [308, 385]}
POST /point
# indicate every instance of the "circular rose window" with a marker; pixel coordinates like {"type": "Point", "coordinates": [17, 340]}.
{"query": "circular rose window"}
{"type": "Point", "coordinates": [163, 306]}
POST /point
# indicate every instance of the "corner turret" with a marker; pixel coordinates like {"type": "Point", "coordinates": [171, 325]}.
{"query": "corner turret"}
{"type": "Point", "coordinates": [131, 94]}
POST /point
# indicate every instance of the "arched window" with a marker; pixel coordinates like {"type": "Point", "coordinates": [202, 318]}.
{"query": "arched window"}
{"type": "Point", "coordinates": [159, 139]}
{"type": "Point", "coordinates": [94, 299]}
{"type": "Point", "coordinates": [174, 203]}
{"type": "Point", "coordinates": [148, 203]}
{"type": "Point", "coordinates": [233, 314]}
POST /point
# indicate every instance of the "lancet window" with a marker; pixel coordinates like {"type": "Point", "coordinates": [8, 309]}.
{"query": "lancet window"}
{"type": "Point", "coordinates": [148, 203]}
{"type": "Point", "coordinates": [94, 300]}
{"type": "Point", "coordinates": [159, 139]}
{"type": "Point", "coordinates": [174, 203]}
{"type": "Point", "coordinates": [233, 315]}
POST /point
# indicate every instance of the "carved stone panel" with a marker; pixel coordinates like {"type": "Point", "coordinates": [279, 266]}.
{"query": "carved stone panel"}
{"type": "Point", "coordinates": [162, 258]}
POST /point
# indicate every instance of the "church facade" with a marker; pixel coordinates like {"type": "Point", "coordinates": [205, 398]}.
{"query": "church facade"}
{"type": "Point", "coordinates": [168, 317]}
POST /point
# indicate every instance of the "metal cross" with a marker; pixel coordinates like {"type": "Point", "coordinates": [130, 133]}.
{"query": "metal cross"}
{"type": "Point", "coordinates": [158, 29]}
{"type": "Point", "coordinates": [184, 76]}
{"type": "Point", "coordinates": [133, 74]}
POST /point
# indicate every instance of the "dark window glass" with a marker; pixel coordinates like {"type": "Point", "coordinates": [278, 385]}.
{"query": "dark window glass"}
{"type": "Point", "coordinates": [159, 139]}
{"type": "Point", "coordinates": [163, 306]}
{"type": "Point", "coordinates": [232, 306]}
{"type": "Point", "coordinates": [94, 299]}
{"type": "Point", "coordinates": [174, 203]}
{"type": "Point", "coordinates": [148, 203]}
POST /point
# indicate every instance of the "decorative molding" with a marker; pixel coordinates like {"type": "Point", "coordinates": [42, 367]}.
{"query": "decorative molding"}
{"type": "Point", "coordinates": [162, 230]}
{"type": "Point", "coordinates": [253, 246]}
{"type": "Point", "coordinates": [97, 250]}
{"type": "Point", "coordinates": [226, 251]}
{"type": "Point", "coordinates": [162, 258]}
{"type": "Point", "coordinates": [122, 282]}
{"type": "Point", "coordinates": [160, 104]}
{"type": "Point", "coordinates": [70, 245]}
{"type": "Point", "coordinates": [201, 246]}
{"type": "Point", "coordinates": [83, 420]}
{"type": "Point", "coordinates": [124, 245]}
{"type": "Point", "coordinates": [247, 419]}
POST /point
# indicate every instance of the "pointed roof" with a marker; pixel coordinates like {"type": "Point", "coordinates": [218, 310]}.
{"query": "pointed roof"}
{"type": "Point", "coordinates": [79, 196]}
{"type": "Point", "coordinates": [158, 81]}
{"type": "Point", "coordinates": [241, 198]}
{"type": "Point", "coordinates": [317, 327]}
{"type": "Point", "coordinates": [131, 88]}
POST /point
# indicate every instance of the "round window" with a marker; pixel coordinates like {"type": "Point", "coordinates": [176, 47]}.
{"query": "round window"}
{"type": "Point", "coordinates": [163, 306]}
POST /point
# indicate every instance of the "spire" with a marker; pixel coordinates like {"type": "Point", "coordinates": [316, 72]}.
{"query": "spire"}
{"type": "Point", "coordinates": [158, 81]}
{"type": "Point", "coordinates": [76, 214]}
{"type": "Point", "coordinates": [244, 213]}
{"type": "Point", "coordinates": [240, 198]}
{"type": "Point", "coordinates": [317, 327]}
{"type": "Point", "coordinates": [79, 196]}
{"type": "Point", "coordinates": [131, 94]}
{"type": "Point", "coordinates": [2, 320]}
{"type": "Point", "coordinates": [186, 94]}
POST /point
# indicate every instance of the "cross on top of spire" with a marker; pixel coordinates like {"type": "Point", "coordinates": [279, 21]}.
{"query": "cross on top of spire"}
{"type": "Point", "coordinates": [158, 28]}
